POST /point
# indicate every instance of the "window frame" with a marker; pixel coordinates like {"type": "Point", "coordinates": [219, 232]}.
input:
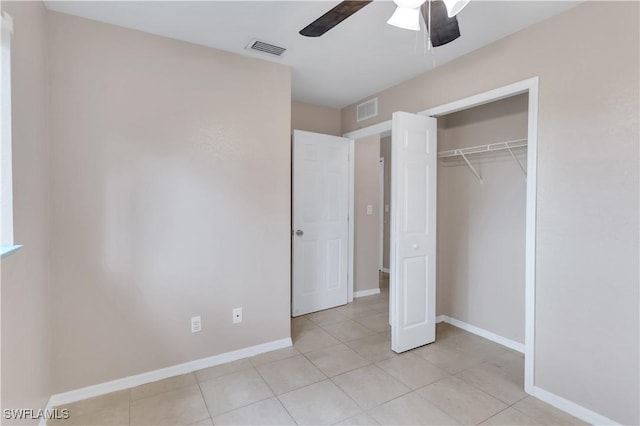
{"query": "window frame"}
{"type": "Point", "coordinates": [7, 244]}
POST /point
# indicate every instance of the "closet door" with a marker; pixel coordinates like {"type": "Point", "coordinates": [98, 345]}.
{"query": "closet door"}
{"type": "Point", "coordinates": [413, 231]}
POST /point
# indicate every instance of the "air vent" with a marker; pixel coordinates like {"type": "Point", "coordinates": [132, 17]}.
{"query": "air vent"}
{"type": "Point", "coordinates": [367, 109]}
{"type": "Point", "coordinates": [264, 47]}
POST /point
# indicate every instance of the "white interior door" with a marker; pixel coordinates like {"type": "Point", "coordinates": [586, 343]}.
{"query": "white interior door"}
{"type": "Point", "coordinates": [413, 231]}
{"type": "Point", "coordinates": [320, 222]}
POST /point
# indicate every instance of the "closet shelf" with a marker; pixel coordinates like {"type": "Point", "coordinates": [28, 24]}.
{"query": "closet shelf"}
{"type": "Point", "coordinates": [500, 146]}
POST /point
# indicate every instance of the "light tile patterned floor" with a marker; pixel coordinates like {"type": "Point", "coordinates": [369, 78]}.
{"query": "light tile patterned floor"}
{"type": "Point", "coordinates": [340, 370]}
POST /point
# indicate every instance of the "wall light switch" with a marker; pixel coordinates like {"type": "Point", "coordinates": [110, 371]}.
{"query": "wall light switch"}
{"type": "Point", "coordinates": [369, 209]}
{"type": "Point", "coordinates": [196, 324]}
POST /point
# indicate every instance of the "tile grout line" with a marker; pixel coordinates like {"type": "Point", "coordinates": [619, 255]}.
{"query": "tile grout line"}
{"type": "Point", "coordinates": [203, 399]}
{"type": "Point", "coordinates": [278, 396]}
{"type": "Point", "coordinates": [378, 405]}
{"type": "Point", "coordinates": [303, 387]}
{"type": "Point", "coordinates": [451, 415]}
{"type": "Point", "coordinates": [275, 360]}
{"type": "Point", "coordinates": [284, 407]}
{"type": "Point", "coordinates": [225, 374]}
{"type": "Point", "coordinates": [482, 390]}
{"type": "Point", "coordinates": [473, 385]}
{"type": "Point", "coordinates": [535, 418]}
{"type": "Point", "coordinates": [348, 340]}
{"type": "Point", "coordinates": [495, 414]}
{"type": "Point", "coordinates": [237, 408]}
{"type": "Point", "coordinates": [161, 392]}
{"type": "Point", "coordinates": [348, 396]}
{"type": "Point", "coordinates": [254, 402]}
{"type": "Point", "coordinates": [344, 372]}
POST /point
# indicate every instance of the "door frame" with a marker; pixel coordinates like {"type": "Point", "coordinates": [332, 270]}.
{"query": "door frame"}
{"type": "Point", "coordinates": [381, 178]}
{"type": "Point", "coordinates": [531, 87]}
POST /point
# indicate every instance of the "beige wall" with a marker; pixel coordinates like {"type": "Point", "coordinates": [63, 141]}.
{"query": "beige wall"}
{"type": "Point", "coordinates": [587, 313]}
{"type": "Point", "coordinates": [481, 226]}
{"type": "Point", "coordinates": [171, 198]}
{"type": "Point", "coordinates": [385, 152]}
{"type": "Point", "coordinates": [316, 118]}
{"type": "Point", "coordinates": [367, 192]}
{"type": "Point", "coordinates": [25, 281]}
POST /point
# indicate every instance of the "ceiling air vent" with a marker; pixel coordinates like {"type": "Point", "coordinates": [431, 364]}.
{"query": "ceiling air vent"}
{"type": "Point", "coordinates": [264, 47]}
{"type": "Point", "coordinates": [367, 109]}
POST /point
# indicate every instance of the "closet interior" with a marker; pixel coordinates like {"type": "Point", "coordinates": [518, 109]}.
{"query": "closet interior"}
{"type": "Point", "coordinates": [481, 217]}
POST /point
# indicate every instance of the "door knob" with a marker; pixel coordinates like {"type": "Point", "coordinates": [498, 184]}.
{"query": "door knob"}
{"type": "Point", "coordinates": [299, 233]}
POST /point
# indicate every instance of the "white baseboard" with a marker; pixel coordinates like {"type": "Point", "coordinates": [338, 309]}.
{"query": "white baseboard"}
{"type": "Point", "coordinates": [572, 408]}
{"type": "Point", "coordinates": [163, 373]}
{"type": "Point", "coordinates": [363, 293]}
{"type": "Point", "coordinates": [511, 344]}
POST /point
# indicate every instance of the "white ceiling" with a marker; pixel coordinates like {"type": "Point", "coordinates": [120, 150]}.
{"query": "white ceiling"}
{"type": "Point", "coordinates": [361, 56]}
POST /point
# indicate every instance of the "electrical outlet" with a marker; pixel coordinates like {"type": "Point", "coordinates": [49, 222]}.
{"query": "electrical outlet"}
{"type": "Point", "coordinates": [369, 209]}
{"type": "Point", "coordinates": [196, 324]}
{"type": "Point", "coordinates": [237, 315]}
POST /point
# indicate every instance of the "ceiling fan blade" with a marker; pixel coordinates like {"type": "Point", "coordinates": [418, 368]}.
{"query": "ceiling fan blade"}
{"type": "Point", "coordinates": [443, 29]}
{"type": "Point", "coordinates": [333, 17]}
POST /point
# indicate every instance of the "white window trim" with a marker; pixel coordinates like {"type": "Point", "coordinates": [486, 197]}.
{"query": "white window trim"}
{"type": "Point", "coordinates": [7, 244]}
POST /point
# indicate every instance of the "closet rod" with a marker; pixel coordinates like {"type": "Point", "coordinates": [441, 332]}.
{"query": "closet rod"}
{"type": "Point", "coordinates": [499, 146]}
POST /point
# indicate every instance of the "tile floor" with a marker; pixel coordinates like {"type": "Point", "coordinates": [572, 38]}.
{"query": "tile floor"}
{"type": "Point", "coordinates": [340, 370]}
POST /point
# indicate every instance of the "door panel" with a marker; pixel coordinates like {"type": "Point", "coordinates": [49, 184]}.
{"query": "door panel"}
{"type": "Point", "coordinates": [416, 211]}
{"type": "Point", "coordinates": [416, 269]}
{"type": "Point", "coordinates": [320, 212]}
{"type": "Point", "coordinates": [413, 226]}
{"type": "Point", "coordinates": [333, 257]}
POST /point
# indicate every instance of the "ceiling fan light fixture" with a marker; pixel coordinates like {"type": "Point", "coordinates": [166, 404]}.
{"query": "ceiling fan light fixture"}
{"type": "Point", "coordinates": [406, 17]}
{"type": "Point", "coordinates": [455, 6]}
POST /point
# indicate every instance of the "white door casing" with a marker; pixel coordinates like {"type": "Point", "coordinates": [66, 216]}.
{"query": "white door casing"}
{"type": "Point", "coordinates": [320, 237]}
{"type": "Point", "coordinates": [413, 231]}
{"type": "Point", "coordinates": [381, 215]}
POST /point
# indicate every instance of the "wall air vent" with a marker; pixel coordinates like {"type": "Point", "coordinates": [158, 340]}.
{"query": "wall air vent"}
{"type": "Point", "coordinates": [264, 47]}
{"type": "Point", "coordinates": [367, 109]}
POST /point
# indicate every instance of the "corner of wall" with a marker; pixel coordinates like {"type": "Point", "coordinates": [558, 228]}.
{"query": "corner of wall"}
{"type": "Point", "coordinates": [26, 325]}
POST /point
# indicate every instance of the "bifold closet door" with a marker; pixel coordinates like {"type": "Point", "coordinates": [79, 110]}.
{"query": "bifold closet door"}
{"type": "Point", "coordinates": [413, 231]}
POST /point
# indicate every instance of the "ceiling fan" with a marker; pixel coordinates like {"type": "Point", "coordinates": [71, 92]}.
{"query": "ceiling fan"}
{"type": "Point", "coordinates": [438, 15]}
